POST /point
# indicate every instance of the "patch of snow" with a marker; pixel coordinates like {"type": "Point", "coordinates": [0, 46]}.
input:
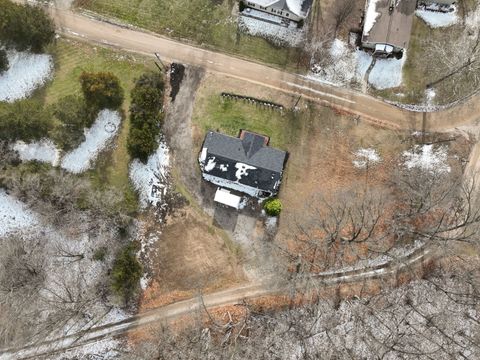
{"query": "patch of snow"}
{"type": "Point", "coordinates": [430, 95]}
{"type": "Point", "coordinates": [365, 157]}
{"type": "Point", "coordinates": [342, 66]}
{"type": "Point", "coordinates": [436, 19]}
{"type": "Point", "coordinates": [427, 158]}
{"type": "Point", "coordinates": [370, 16]}
{"type": "Point", "coordinates": [280, 35]}
{"type": "Point", "coordinates": [223, 167]}
{"type": "Point", "coordinates": [295, 6]}
{"type": "Point", "coordinates": [150, 179]}
{"type": "Point", "coordinates": [340, 70]}
{"type": "Point", "coordinates": [211, 164]}
{"type": "Point", "coordinates": [363, 62]}
{"type": "Point", "coordinates": [387, 73]}
{"type": "Point", "coordinates": [103, 349]}
{"type": "Point", "coordinates": [26, 73]}
{"type": "Point", "coordinates": [43, 151]}
{"type": "Point", "coordinates": [96, 139]}
{"type": "Point", "coordinates": [242, 169]}
{"type": "Point", "coordinates": [203, 155]}
{"type": "Point", "coordinates": [14, 216]}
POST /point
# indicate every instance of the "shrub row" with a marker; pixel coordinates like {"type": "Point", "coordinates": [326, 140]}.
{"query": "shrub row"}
{"type": "Point", "coordinates": [145, 116]}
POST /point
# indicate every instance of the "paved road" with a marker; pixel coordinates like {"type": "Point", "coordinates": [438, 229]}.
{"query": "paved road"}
{"type": "Point", "coordinates": [372, 109]}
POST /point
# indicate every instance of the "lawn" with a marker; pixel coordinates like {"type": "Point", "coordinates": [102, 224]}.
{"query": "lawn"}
{"type": "Point", "coordinates": [208, 23]}
{"type": "Point", "coordinates": [229, 116]}
{"type": "Point", "coordinates": [71, 59]}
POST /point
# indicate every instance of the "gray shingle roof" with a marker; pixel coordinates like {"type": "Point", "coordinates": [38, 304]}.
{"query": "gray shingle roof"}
{"type": "Point", "coordinates": [251, 150]}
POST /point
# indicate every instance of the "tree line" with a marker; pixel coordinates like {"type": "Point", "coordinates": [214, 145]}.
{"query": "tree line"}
{"type": "Point", "coordinates": [22, 28]}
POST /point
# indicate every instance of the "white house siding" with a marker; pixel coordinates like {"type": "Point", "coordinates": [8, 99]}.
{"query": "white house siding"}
{"type": "Point", "coordinates": [232, 185]}
{"type": "Point", "coordinates": [275, 8]}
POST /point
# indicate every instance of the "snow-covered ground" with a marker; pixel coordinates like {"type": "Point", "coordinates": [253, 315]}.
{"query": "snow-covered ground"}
{"type": "Point", "coordinates": [365, 158]}
{"type": "Point", "coordinates": [435, 19]}
{"type": "Point", "coordinates": [26, 73]}
{"type": "Point", "coordinates": [343, 66]}
{"type": "Point", "coordinates": [387, 73]}
{"type": "Point", "coordinates": [427, 158]}
{"type": "Point", "coordinates": [278, 34]}
{"type": "Point", "coordinates": [150, 179]}
{"type": "Point", "coordinates": [96, 139]}
{"type": "Point", "coordinates": [43, 151]}
{"type": "Point", "coordinates": [14, 215]}
{"type": "Point", "coordinates": [371, 16]}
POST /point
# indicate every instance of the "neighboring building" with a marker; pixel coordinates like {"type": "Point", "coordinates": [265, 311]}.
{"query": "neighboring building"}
{"type": "Point", "coordinates": [437, 5]}
{"type": "Point", "coordinates": [439, 2]}
{"type": "Point", "coordinates": [387, 26]}
{"type": "Point", "coordinates": [296, 10]}
{"type": "Point", "coordinates": [245, 164]}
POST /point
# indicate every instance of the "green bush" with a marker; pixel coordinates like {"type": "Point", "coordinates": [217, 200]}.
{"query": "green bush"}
{"type": "Point", "coordinates": [145, 116]}
{"type": "Point", "coordinates": [126, 271]}
{"type": "Point", "coordinates": [25, 120]}
{"type": "Point", "coordinates": [73, 116]}
{"type": "Point", "coordinates": [101, 90]}
{"type": "Point", "coordinates": [25, 27]}
{"type": "Point", "coordinates": [142, 142]}
{"type": "Point", "coordinates": [273, 207]}
{"type": "Point", "coordinates": [3, 61]}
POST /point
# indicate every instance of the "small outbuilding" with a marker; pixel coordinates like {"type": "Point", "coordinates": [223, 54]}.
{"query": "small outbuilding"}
{"type": "Point", "coordinates": [245, 164]}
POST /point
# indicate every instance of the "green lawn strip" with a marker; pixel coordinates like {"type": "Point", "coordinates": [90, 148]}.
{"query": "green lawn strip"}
{"type": "Point", "coordinates": [229, 116]}
{"type": "Point", "coordinates": [209, 23]}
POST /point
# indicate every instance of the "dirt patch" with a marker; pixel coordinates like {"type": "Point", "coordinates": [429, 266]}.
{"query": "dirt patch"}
{"type": "Point", "coordinates": [191, 256]}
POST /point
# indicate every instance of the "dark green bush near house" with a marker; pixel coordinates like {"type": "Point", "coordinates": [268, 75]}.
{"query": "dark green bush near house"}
{"type": "Point", "coordinates": [145, 116]}
{"type": "Point", "coordinates": [25, 27]}
{"type": "Point", "coordinates": [72, 113]}
{"type": "Point", "coordinates": [126, 271]}
{"type": "Point", "coordinates": [273, 207]}
{"type": "Point", "coordinates": [25, 120]}
{"type": "Point", "coordinates": [3, 61]}
{"type": "Point", "coordinates": [241, 6]}
{"type": "Point", "coordinates": [101, 90]}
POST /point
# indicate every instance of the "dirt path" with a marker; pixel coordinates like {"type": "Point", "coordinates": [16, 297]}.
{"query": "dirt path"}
{"type": "Point", "coordinates": [222, 298]}
{"type": "Point", "coordinates": [178, 128]}
{"type": "Point", "coordinates": [370, 108]}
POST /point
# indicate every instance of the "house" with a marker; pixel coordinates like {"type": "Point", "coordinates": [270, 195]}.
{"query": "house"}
{"type": "Point", "coordinates": [387, 26]}
{"type": "Point", "coordinates": [296, 10]}
{"type": "Point", "coordinates": [243, 164]}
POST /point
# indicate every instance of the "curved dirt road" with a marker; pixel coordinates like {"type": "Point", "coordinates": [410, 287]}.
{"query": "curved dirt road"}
{"type": "Point", "coordinates": [231, 296]}
{"type": "Point", "coordinates": [92, 30]}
